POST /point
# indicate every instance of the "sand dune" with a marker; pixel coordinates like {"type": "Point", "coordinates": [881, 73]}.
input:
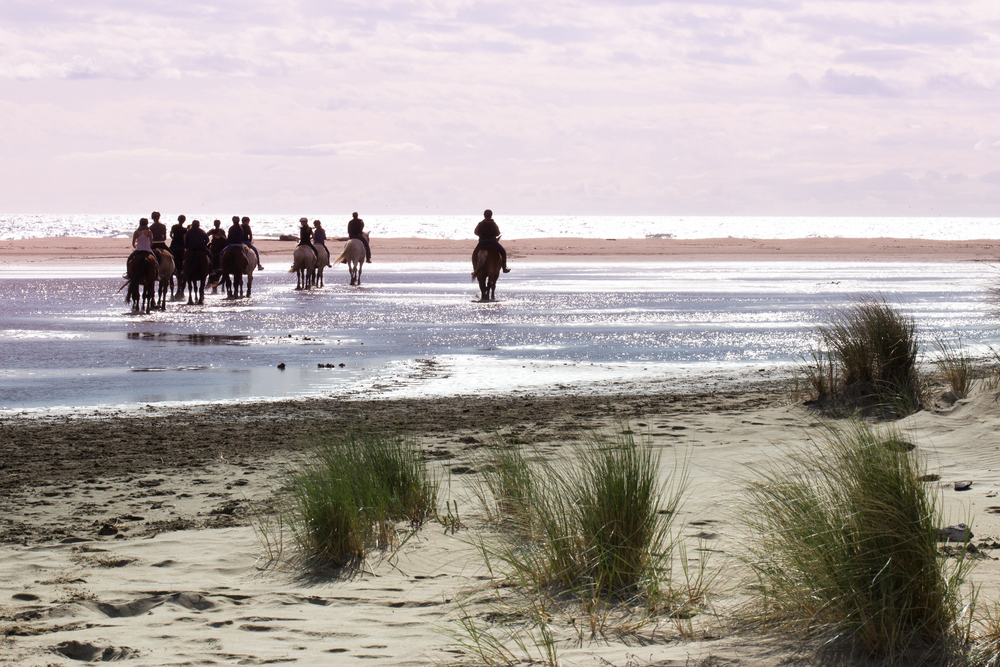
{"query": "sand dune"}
{"type": "Point", "coordinates": [185, 580]}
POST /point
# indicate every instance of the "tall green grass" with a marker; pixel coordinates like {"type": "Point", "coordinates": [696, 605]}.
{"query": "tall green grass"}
{"type": "Point", "coordinates": [585, 543]}
{"type": "Point", "coordinates": [845, 544]}
{"type": "Point", "coordinates": [867, 358]}
{"type": "Point", "coordinates": [955, 365]}
{"type": "Point", "coordinates": [601, 521]}
{"type": "Point", "coordinates": [348, 496]}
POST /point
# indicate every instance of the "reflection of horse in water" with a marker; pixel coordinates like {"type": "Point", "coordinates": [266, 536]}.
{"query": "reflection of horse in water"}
{"type": "Point", "coordinates": [303, 266]}
{"type": "Point", "coordinates": [234, 265]}
{"type": "Point", "coordinates": [141, 270]}
{"type": "Point", "coordinates": [322, 259]}
{"type": "Point", "coordinates": [197, 266]}
{"type": "Point", "coordinates": [354, 255]}
{"type": "Point", "coordinates": [166, 276]}
{"type": "Point", "coordinates": [486, 264]}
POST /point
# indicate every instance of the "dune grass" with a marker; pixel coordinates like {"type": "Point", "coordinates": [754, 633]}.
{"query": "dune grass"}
{"type": "Point", "coordinates": [348, 496]}
{"type": "Point", "coordinates": [955, 365]}
{"type": "Point", "coordinates": [845, 545]}
{"type": "Point", "coordinates": [867, 358]}
{"type": "Point", "coordinates": [584, 544]}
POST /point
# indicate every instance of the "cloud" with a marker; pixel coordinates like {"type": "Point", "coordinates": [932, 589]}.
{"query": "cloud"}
{"type": "Point", "coordinates": [343, 149]}
{"type": "Point", "coordinates": [855, 84]}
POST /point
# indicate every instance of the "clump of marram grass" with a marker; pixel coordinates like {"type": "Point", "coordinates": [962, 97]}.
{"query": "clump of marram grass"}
{"type": "Point", "coordinates": [955, 365]}
{"type": "Point", "coordinates": [585, 543]}
{"type": "Point", "coordinates": [845, 544]}
{"type": "Point", "coordinates": [867, 358]}
{"type": "Point", "coordinates": [602, 521]}
{"type": "Point", "coordinates": [349, 495]}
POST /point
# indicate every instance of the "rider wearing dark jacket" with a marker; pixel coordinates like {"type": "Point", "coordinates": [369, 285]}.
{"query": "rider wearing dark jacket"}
{"type": "Point", "coordinates": [177, 241]}
{"type": "Point", "coordinates": [305, 235]}
{"type": "Point", "coordinates": [248, 240]}
{"type": "Point", "coordinates": [235, 235]}
{"type": "Point", "coordinates": [489, 233]}
{"type": "Point", "coordinates": [354, 229]}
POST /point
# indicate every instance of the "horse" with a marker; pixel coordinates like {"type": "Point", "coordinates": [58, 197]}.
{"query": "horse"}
{"type": "Point", "coordinates": [303, 266]}
{"type": "Point", "coordinates": [234, 265]}
{"type": "Point", "coordinates": [177, 253]}
{"type": "Point", "coordinates": [486, 264]}
{"type": "Point", "coordinates": [141, 270]}
{"type": "Point", "coordinates": [322, 259]}
{"type": "Point", "coordinates": [166, 277]}
{"type": "Point", "coordinates": [216, 246]}
{"type": "Point", "coordinates": [197, 266]}
{"type": "Point", "coordinates": [251, 266]}
{"type": "Point", "coordinates": [354, 256]}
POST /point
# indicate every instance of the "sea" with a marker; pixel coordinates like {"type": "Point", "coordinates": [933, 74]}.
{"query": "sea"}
{"type": "Point", "coordinates": [70, 345]}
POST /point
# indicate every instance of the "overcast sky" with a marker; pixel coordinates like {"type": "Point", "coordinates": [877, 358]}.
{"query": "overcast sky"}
{"type": "Point", "coordinates": [765, 107]}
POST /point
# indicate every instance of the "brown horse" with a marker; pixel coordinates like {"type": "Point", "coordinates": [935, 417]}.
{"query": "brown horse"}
{"type": "Point", "coordinates": [234, 265]}
{"type": "Point", "coordinates": [141, 270]}
{"type": "Point", "coordinates": [486, 264]}
{"type": "Point", "coordinates": [197, 266]}
{"type": "Point", "coordinates": [354, 256]}
{"type": "Point", "coordinates": [216, 246]}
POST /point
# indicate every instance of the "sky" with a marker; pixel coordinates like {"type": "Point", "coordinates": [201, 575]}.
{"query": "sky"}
{"type": "Point", "coordinates": [633, 107]}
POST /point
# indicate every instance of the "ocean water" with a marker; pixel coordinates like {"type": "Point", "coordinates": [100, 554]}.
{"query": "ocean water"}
{"type": "Point", "coordinates": [528, 226]}
{"type": "Point", "coordinates": [70, 343]}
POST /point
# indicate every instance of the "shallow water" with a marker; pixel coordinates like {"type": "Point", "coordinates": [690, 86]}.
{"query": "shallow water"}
{"type": "Point", "coordinates": [415, 330]}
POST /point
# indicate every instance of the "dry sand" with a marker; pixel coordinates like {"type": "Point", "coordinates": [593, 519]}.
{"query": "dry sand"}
{"type": "Point", "coordinates": [181, 578]}
{"type": "Point", "coordinates": [104, 251]}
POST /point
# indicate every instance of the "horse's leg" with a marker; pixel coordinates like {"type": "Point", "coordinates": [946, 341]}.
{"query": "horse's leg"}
{"type": "Point", "coordinates": [249, 284]}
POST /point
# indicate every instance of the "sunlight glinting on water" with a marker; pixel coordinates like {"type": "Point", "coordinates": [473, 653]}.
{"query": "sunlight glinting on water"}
{"type": "Point", "coordinates": [415, 330]}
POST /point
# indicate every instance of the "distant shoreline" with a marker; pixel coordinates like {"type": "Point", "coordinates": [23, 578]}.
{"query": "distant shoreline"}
{"type": "Point", "coordinates": [91, 251]}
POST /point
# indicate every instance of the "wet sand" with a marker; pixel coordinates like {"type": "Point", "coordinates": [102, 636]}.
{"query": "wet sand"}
{"type": "Point", "coordinates": [104, 251]}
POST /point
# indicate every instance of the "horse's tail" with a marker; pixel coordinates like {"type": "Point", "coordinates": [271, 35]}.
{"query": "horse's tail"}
{"type": "Point", "coordinates": [341, 256]}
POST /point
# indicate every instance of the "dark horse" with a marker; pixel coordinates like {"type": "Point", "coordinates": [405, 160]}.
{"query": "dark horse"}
{"type": "Point", "coordinates": [197, 265]}
{"type": "Point", "coordinates": [141, 270]}
{"type": "Point", "coordinates": [234, 265]}
{"type": "Point", "coordinates": [486, 263]}
{"type": "Point", "coordinates": [216, 246]}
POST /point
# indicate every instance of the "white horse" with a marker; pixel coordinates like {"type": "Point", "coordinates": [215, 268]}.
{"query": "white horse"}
{"type": "Point", "coordinates": [165, 262]}
{"type": "Point", "coordinates": [354, 255]}
{"type": "Point", "coordinates": [322, 259]}
{"type": "Point", "coordinates": [303, 266]}
{"type": "Point", "coordinates": [251, 266]}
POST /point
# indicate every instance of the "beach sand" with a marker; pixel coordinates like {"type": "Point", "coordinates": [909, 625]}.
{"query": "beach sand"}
{"type": "Point", "coordinates": [127, 537]}
{"type": "Point", "coordinates": [131, 537]}
{"type": "Point", "coordinates": [103, 251]}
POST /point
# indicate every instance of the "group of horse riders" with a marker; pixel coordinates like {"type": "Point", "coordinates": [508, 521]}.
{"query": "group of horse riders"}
{"type": "Point", "coordinates": [149, 237]}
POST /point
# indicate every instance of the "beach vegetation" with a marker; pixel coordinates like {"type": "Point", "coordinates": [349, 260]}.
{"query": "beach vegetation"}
{"type": "Point", "coordinates": [867, 359]}
{"type": "Point", "coordinates": [351, 492]}
{"type": "Point", "coordinates": [845, 546]}
{"type": "Point", "coordinates": [956, 366]}
{"type": "Point", "coordinates": [585, 545]}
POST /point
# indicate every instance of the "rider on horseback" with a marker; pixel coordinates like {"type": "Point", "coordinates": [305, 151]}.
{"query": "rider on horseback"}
{"type": "Point", "coordinates": [159, 232]}
{"type": "Point", "coordinates": [177, 241]}
{"type": "Point", "coordinates": [354, 229]}
{"type": "Point", "coordinates": [142, 240]}
{"type": "Point", "coordinates": [196, 240]}
{"type": "Point", "coordinates": [319, 238]}
{"type": "Point", "coordinates": [488, 234]}
{"type": "Point", "coordinates": [305, 235]}
{"type": "Point", "coordinates": [247, 238]}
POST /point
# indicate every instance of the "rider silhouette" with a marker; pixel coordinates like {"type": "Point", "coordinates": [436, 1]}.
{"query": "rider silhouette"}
{"type": "Point", "coordinates": [488, 233]}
